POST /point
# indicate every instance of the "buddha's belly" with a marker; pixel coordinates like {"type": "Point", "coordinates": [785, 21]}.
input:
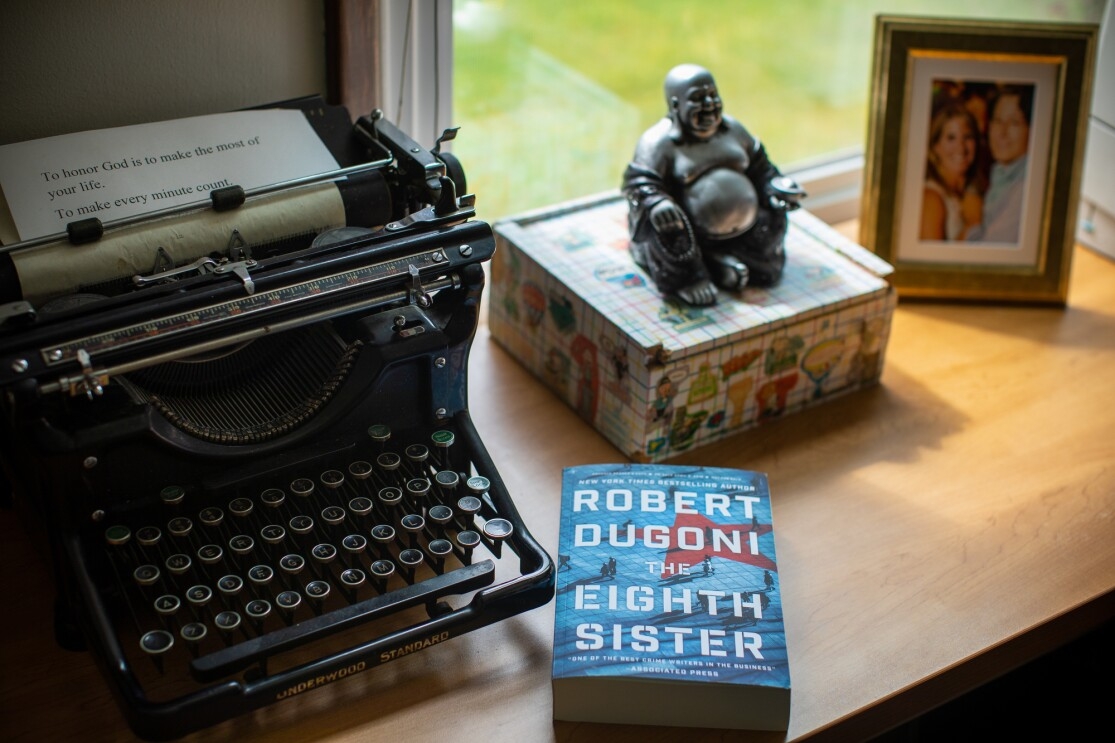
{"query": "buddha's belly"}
{"type": "Point", "coordinates": [722, 203]}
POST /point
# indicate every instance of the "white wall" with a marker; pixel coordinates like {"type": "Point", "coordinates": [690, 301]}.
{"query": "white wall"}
{"type": "Point", "coordinates": [72, 65]}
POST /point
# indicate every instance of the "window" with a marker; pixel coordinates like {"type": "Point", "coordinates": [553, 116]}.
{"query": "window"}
{"type": "Point", "coordinates": [550, 97]}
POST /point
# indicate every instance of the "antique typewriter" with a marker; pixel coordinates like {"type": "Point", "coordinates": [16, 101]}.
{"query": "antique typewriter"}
{"type": "Point", "coordinates": [255, 469]}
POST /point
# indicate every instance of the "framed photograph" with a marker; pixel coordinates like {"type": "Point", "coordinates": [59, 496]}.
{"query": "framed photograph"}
{"type": "Point", "coordinates": [975, 147]}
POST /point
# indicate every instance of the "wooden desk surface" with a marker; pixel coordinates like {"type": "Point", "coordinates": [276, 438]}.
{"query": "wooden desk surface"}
{"type": "Point", "coordinates": [933, 532]}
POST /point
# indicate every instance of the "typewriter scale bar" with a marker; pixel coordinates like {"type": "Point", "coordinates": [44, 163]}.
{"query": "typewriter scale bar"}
{"type": "Point", "coordinates": [207, 317]}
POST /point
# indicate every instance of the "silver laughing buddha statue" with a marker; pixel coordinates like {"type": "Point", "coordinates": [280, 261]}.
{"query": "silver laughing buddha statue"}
{"type": "Point", "coordinates": [707, 209]}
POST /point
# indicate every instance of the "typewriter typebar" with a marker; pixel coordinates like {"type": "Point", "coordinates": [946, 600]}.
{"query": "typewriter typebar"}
{"type": "Point", "coordinates": [261, 476]}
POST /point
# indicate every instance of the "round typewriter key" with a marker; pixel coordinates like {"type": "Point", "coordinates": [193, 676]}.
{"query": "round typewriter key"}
{"type": "Point", "coordinates": [360, 506]}
{"type": "Point", "coordinates": [352, 578]}
{"type": "Point", "coordinates": [179, 563]}
{"type": "Point", "coordinates": [272, 533]}
{"type": "Point", "coordinates": [118, 535]}
{"type": "Point", "coordinates": [439, 547]}
{"type": "Point", "coordinates": [301, 524]}
{"type": "Point", "coordinates": [272, 497]}
{"type": "Point", "coordinates": [149, 536]}
{"type": "Point", "coordinates": [382, 568]}
{"type": "Point", "coordinates": [288, 601]}
{"type": "Point", "coordinates": [354, 544]}
{"type": "Point", "coordinates": [180, 526]}
{"type": "Point", "coordinates": [440, 514]}
{"type": "Point", "coordinates": [317, 589]}
{"type": "Point", "coordinates": [418, 487]}
{"type": "Point", "coordinates": [360, 470]}
{"type": "Point", "coordinates": [241, 544]}
{"type": "Point", "coordinates": [156, 642]}
{"type": "Point", "coordinates": [210, 554]}
{"type": "Point", "coordinates": [468, 539]}
{"type": "Point", "coordinates": [389, 461]}
{"type": "Point", "coordinates": [478, 484]}
{"type": "Point", "coordinates": [443, 438]}
{"type": "Point", "coordinates": [383, 533]}
{"type": "Point", "coordinates": [292, 564]}
{"type": "Point", "coordinates": [447, 480]}
{"type": "Point", "coordinates": [390, 496]}
{"type": "Point", "coordinates": [146, 575]}
{"type": "Point", "coordinates": [412, 522]}
{"type": "Point", "coordinates": [379, 433]}
{"type": "Point", "coordinates": [257, 609]}
{"type": "Point", "coordinates": [410, 558]}
{"type": "Point", "coordinates": [261, 575]}
{"type": "Point", "coordinates": [241, 507]}
{"type": "Point", "coordinates": [193, 633]}
{"type": "Point", "coordinates": [417, 453]}
{"type": "Point", "coordinates": [199, 595]}
{"type": "Point", "coordinates": [167, 604]}
{"type": "Point", "coordinates": [230, 585]}
{"type": "Point", "coordinates": [324, 553]}
{"type": "Point", "coordinates": [498, 529]}
{"type": "Point", "coordinates": [227, 621]}
{"type": "Point", "coordinates": [172, 494]}
{"type": "Point", "coordinates": [332, 479]}
{"type": "Point", "coordinates": [211, 516]}
{"type": "Point", "coordinates": [333, 515]}
{"type": "Point", "coordinates": [302, 487]}
{"type": "Point", "coordinates": [469, 505]}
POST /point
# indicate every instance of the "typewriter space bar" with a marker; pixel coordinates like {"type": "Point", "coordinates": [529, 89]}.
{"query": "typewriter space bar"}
{"type": "Point", "coordinates": [245, 654]}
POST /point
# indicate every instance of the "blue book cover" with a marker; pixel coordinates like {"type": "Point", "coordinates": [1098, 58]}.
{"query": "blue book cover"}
{"type": "Point", "coordinates": [669, 607]}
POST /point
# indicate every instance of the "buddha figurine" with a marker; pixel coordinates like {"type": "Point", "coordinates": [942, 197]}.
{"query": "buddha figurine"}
{"type": "Point", "coordinates": [707, 208]}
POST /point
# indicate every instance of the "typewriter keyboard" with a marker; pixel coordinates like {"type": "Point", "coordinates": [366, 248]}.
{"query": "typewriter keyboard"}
{"type": "Point", "coordinates": [214, 589]}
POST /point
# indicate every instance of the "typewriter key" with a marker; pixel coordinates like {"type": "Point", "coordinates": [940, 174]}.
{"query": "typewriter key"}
{"type": "Point", "coordinates": [272, 497]}
{"type": "Point", "coordinates": [199, 595]}
{"type": "Point", "coordinates": [443, 438]}
{"type": "Point", "coordinates": [440, 515]}
{"type": "Point", "coordinates": [227, 622]}
{"type": "Point", "coordinates": [302, 487]}
{"type": "Point", "coordinates": [241, 507]}
{"type": "Point", "coordinates": [478, 484]}
{"type": "Point", "coordinates": [272, 534]}
{"type": "Point", "coordinates": [332, 479]}
{"type": "Point", "coordinates": [288, 601]}
{"type": "Point", "coordinates": [360, 506]}
{"type": "Point", "coordinates": [468, 507]}
{"type": "Point", "coordinates": [231, 585]}
{"type": "Point", "coordinates": [383, 533]}
{"type": "Point", "coordinates": [360, 470]}
{"type": "Point", "coordinates": [241, 544]}
{"type": "Point", "coordinates": [180, 526]}
{"type": "Point", "coordinates": [292, 564]}
{"type": "Point", "coordinates": [257, 611]}
{"type": "Point", "coordinates": [379, 433]}
{"type": "Point", "coordinates": [467, 541]}
{"type": "Point", "coordinates": [317, 591]}
{"type": "Point", "coordinates": [333, 515]}
{"type": "Point", "coordinates": [324, 553]}
{"type": "Point", "coordinates": [167, 605]}
{"type": "Point", "coordinates": [354, 544]}
{"type": "Point", "coordinates": [118, 535]}
{"type": "Point", "coordinates": [417, 454]}
{"type": "Point", "coordinates": [260, 575]}
{"type": "Point", "coordinates": [497, 530]}
{"type": "Point", "coordinates": [389, 461]}
{"type": "Point", "coordinates": [351, 579]}
{"type": "Point", "coordinates": [211, 516]}
{"type": "Point", "coordinates": [301, 524]}
{"type": "Point", "coordinates": [149, 536]}
{"type": "Point", "coordinates": [193, 633]}
{"type": "Point", "coordinates": [146, 575]}
{"type": "Point", "coordinates": [439, 549]}
{"type": "Point", "coordinates": [172, 495]}
{"type": "Point", "coordinates": [210, 554]}
{"type": "Point", "coordinates": [418, 488]}
{"type": "Point", "coordinates": [381, 571]}
{"type": "Point", "coordinates": [447, 481]}
{"type": "Point", "coordinates": [412, 524]}
{"type": "Point", "coordinates": [390, 496]}
{"type": "Point", "coordinates": [178, 564]}
{"type": "Point", "coordinates": [409, 559]}
{"type": "Point", "coordinates": [155, 643]}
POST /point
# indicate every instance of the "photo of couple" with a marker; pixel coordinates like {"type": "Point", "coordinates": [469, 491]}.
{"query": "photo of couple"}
{"type": "Point", "coordinates": [976, 161]}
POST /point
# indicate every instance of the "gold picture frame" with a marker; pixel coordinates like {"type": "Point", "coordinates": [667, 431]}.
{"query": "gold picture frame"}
{"type": "Point", "coordinates": [942, 239]}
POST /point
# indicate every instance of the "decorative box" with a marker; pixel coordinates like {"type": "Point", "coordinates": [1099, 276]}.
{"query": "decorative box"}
{"type": "Point", "coordinates": [658, 377]}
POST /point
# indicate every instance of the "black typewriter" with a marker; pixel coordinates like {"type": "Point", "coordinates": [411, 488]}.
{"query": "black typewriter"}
{"type": "Point", "coordinates": [255, 468]}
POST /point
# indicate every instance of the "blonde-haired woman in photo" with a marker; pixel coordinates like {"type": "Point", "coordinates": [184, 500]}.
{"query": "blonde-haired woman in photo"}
{"type": "Point", "coordinates": [952, 202]}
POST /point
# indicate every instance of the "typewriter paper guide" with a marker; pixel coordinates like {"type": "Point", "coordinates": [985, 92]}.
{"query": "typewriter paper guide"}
{"type": "Point", "coordinates": [134, 170]}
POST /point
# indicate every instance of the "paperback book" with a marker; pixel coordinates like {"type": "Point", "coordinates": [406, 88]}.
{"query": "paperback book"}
{"type": "Point", "coordinates": [669, 607]}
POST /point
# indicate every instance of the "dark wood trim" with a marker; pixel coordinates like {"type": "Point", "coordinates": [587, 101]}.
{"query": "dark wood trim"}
{"type": "Point", "coordinates": [352, 54]}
